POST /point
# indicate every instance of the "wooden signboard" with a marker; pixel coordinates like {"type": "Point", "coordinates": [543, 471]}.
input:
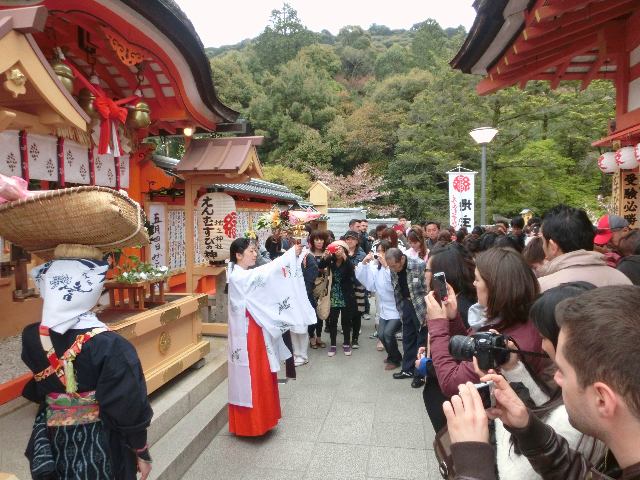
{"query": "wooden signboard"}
{"type": "Point", "coordinates": [629, 188]}
{"type": "Point", "coordinates": [157, 215]}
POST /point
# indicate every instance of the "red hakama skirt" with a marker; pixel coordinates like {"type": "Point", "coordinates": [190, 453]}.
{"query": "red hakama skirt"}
{"type": "Point", "coordinates": [256, 421]}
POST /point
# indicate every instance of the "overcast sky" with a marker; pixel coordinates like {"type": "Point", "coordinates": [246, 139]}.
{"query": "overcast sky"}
{"type": "Point", "coordinates": [228, 22]}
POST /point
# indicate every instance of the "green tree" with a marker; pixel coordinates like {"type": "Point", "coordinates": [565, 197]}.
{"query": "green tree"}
{"type": "Point", "coordinates": [233, 80]}
{"type": "Point", "coordinates": [393, 61]}
{"type": "Point", "coordinates": [283, 39]}
{"type": "Point", "coordinates": [298, 182]}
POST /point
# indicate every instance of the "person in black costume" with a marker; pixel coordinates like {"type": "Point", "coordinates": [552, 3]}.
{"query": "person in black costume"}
{"type": "Point", "coordinates": [94, 412]}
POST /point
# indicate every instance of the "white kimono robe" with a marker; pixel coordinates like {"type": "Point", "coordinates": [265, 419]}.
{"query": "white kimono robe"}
{"type": "Point", "coordinates": [276, 297]}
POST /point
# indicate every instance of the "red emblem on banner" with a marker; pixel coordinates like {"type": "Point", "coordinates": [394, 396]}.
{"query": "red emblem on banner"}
{"type": "Point", "coordinates": [461, 183]}
{"type": "Point", "coordinates": [229, 226]}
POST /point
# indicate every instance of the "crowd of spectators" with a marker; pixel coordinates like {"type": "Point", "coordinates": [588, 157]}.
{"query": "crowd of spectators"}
{"type": "Point", "coordinates": [557, 291]}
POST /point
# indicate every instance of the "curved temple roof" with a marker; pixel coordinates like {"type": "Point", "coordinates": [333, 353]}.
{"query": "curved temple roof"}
{"type": "Point", "coordinates": [127, 39]}
{"type": "Point", "coordinates": [514, 41]}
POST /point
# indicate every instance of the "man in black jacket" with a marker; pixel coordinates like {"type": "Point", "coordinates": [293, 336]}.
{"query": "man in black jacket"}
{"type": "Point", "coordinates": [597, 359]}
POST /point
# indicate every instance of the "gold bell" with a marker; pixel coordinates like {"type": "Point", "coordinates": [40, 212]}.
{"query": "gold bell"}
{"type": "Point", "coordinates": [64, 74]}
{"type": "Point", "coordinates": [86, 100]}
{"type": "Point", "coordinates": [139, 116]}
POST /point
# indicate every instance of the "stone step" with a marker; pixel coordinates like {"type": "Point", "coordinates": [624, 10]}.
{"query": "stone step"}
{"type": "Point", "coordinates": [174, 401]}
{"type": "Point", "coordinates": [175, 452]}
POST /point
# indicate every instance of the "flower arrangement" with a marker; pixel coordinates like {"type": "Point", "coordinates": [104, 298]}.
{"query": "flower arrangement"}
{"type": "Point", "coordinates": [290, 220]}
{"type": "Point", "coordinates": [134, 271]}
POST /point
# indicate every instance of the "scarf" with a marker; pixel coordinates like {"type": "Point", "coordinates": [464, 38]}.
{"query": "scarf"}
{"type": "Point", "coordinates": [70, 288]}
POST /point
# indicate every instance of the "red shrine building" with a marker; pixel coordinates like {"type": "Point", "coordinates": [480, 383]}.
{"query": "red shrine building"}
{"type": "Point", "coordinates": [514, 41]}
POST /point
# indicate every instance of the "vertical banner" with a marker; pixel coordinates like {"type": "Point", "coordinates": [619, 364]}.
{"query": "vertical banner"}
{"type": "Point", "coordinates": [629, 193]}
{"type": "Point", "coordinates": [158, 240]}
{"type": "Point", "coordinates": [461, 199]}
{"type": "Point", "coordinates": [217, 220]}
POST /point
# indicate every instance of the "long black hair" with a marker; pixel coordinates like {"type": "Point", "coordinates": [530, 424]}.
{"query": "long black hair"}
{"type": "Point", "coordinates": [457, 263]}
{"type": "Point", "coordinates": [543, 310]}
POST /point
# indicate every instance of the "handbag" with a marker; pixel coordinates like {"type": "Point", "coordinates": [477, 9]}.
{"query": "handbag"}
{"type": "Point", "coordinates": [442, 449]}
{"type": "Point", "coordinates": [321, 290]}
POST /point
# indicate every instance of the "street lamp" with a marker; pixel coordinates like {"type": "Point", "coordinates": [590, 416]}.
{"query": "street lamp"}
{"type": "Point", "coordinates": [482, 136]}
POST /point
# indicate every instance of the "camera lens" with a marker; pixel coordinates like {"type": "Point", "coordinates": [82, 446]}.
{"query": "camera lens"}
{"type": "Point", "coordinates": [462, 347]}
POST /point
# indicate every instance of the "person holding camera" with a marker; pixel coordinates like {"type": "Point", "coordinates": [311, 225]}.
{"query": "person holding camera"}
{"type": "Point", "coordinates": [544, 400]}
{"type": "Point", "coordinates": [342, 294]}
{"type": "Point", "coordinates": [408, 280]}
{"type": "Point", "coordinates": [506, 288]}
{"type": "Point", "coordinates": [597, 358]}
{"type": "Point", "coordinates": [375, 275]}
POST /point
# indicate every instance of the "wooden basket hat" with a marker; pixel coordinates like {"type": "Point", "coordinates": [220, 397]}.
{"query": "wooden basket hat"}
{"type": "Point", "coordinates": [94, 216]}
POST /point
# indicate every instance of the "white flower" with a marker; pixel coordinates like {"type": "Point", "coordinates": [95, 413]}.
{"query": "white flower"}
{"type": "Point", "coordinates": [143, 276]}
{"type": "Point", "coordinates": [164, 268]}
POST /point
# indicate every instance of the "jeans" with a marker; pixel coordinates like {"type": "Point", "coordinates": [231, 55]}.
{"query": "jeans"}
{"type": "Point", "coordinates": [315, 330]}
{"type": "Point", "coordinates": [413, 335]}
{"type": "Point", "coordinates": [387, 330]}
{"type": "Point", "coordinates": [345, 314]}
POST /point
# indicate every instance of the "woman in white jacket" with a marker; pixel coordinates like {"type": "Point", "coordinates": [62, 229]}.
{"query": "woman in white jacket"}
{"type": "Point", "coordinates": [549, 407]}
{"type": "Point", "coordinates": [375, 275]}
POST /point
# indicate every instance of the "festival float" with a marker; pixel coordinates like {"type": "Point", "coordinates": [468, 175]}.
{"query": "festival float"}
{"type": "Point", "coordinates": [513, 41]}
{"type": "Point", "coordinates": [84, 84]}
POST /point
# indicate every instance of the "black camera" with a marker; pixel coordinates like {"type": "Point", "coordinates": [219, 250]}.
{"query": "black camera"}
{"type": "Point", "coordinates": [489, 348]}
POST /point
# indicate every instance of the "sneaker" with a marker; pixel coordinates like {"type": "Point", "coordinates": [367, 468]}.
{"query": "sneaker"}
{"type": "Point", "coordinates": [402, 375]}
{"type": "Point", "coordinates": [332, 351]}
{"type": "Point", "coordinates": [417, 382]}
{"type": "Point", "coordinates": [354, 344]}
{"type": "Point", "coordinates": [366, 316]}
{"type": "Point", "coordinates": [347, 350]}
{"type": "Point", "coordinates": [373, 336]}
{"type": "Point", "coordinates": [299, 363]}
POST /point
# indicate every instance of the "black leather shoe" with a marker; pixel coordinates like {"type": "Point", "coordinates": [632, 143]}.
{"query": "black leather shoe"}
{"type": "Point", "coordinates": [417, 382]}
{"type": "Point", "coordinates": [402, 374]}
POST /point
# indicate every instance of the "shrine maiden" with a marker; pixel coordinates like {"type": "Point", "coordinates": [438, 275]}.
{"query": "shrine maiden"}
{"type": "Point", "coordinates": [264, 302]}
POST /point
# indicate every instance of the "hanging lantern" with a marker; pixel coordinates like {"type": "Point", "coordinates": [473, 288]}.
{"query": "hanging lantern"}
{"type": "Point", "coordinates": [626, 158]}
{"type": "Point", "coordinates": [139, 116]}
{"type": "Point", "coordinates": [64, 74]}
{"type": "Point", "coordinates": [607, 163]}
{"type": "Point", "coordinates": [637, 152]}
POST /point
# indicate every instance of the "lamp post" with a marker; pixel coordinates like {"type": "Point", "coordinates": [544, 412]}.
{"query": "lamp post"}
{"type": "Point", "coordinates": [483, 136]}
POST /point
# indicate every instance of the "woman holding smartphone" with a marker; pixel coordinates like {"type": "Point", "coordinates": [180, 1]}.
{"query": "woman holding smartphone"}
{"type": "Point", "coordinates": [506, 289]}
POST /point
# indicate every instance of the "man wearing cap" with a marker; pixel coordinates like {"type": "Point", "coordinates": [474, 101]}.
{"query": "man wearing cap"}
{"type": "Point", "coordinates": [610, 229]}
{"type": "Point", "coordinates": [567, 239]}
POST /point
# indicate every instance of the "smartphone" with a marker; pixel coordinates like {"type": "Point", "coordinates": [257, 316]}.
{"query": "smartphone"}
{"type": "Point", "coordinates": [487, 393]}
{"type": "Point", "coordinates": [439, 282]}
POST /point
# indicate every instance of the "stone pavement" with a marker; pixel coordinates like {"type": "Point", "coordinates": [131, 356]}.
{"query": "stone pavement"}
{"type": "Point", "coordinates": [343, 418]}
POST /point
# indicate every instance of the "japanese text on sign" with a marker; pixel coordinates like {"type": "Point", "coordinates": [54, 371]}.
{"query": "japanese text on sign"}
{"type": "Point", "coordinates": [158, 240]}
{"type": "Point", "coordinates": [216, 225]}
{"type": "Point", "coordinates": [629, 197]}
{"type": "Point", "coordinates": [461, 199]}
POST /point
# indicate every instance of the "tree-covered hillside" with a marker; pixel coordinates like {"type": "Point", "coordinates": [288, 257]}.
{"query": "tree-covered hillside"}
{"type": "Point", "coordinates": [389, 99]}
